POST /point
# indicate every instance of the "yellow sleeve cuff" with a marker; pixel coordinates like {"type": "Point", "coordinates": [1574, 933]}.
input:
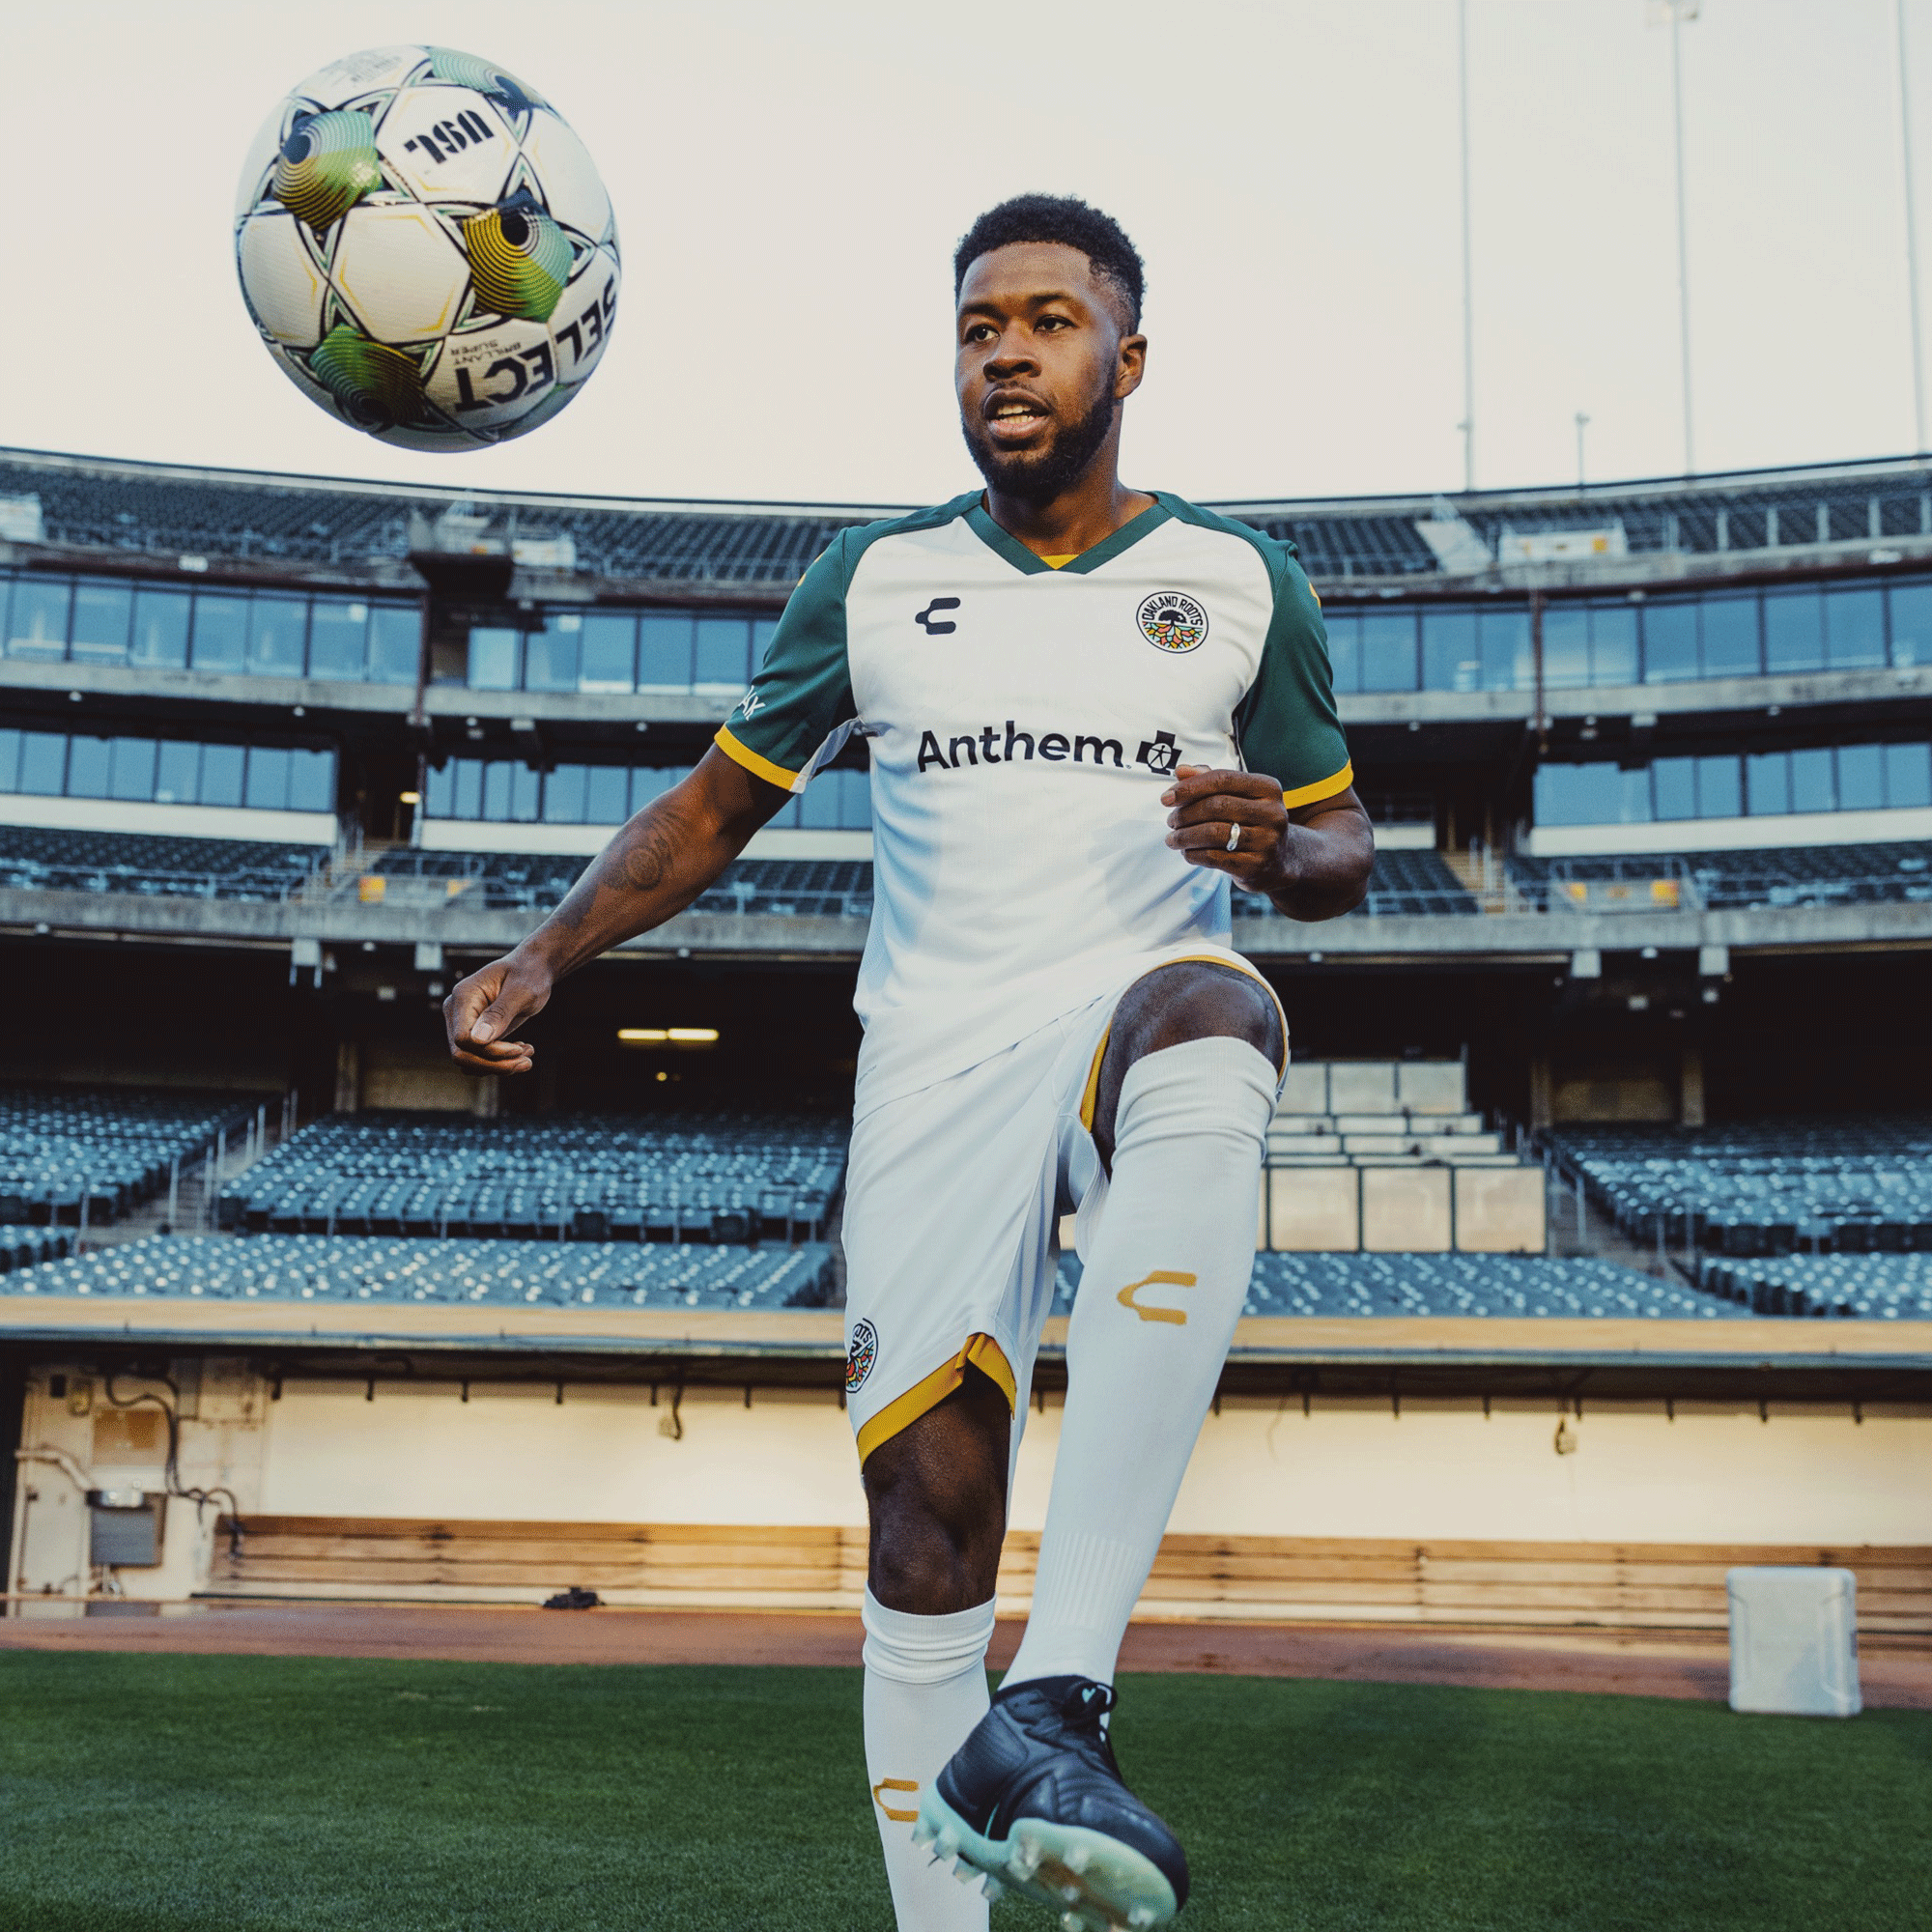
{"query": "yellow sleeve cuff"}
{"type": "Point", "coordinates": [1314, 794]}
{"type": "Point", "coordinates": [760, 767]}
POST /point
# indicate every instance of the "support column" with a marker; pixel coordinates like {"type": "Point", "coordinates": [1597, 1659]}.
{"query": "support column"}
{"type": "Point", "coordinates": [1690, 1087]}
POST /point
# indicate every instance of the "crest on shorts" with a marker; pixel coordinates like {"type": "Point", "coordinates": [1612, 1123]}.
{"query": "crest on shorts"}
{"type": "Point", "coordinates": [1173, 622]}
{"type": "Point", "coordinates": [860, 1353]}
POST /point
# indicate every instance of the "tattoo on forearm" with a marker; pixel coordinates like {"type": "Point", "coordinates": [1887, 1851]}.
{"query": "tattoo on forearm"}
{"type": "Point", "coordinates": [647, 864]}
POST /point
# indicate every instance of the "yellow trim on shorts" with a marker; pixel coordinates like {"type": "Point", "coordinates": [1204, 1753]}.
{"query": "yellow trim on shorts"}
{"type": "Point", "coordinates": [980, 1352]}
{"type": "Point", "coordinates": [1090, 1097]}
{"type": "Point", "coordinates": [1314, 794]}
{"type": "Point", "coordinates": [760, 767]}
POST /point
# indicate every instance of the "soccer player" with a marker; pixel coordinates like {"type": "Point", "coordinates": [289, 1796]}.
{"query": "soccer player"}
{"type": "Point", "coordinates": [1090, 711]}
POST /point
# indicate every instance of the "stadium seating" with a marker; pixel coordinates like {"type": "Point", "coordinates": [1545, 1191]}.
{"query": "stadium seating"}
{"type": "Point", "coordinates": [304, 1267]}
{"type": "Point", "coordinates": [27, 1247]}
{"type": "Point", "coordinates": [45, 859]}
{"type": "Point", "coordinates": [535, 882]}
{"type": "Point", "coordinates": [584, 1178]}
{"type": "Point", "coordinates": [1769, 1187]}
{"type": "Point", "coordinates": [61, 1146]}
{"type": "Point", "coordinates": [1492, 1286]}
{"type": "Point", "coordinates": [1871, 1288]}
{"type": "Point", "coordinates": [1783, 875]}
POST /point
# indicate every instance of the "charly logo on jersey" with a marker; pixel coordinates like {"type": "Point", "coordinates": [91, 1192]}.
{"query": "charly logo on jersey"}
{"type": "Point", "coordinates": [932, 623]}
{"type": "Point", "coordinates": [1171, 621]}
{"type": "Point", "coordinates": [860, 1353]}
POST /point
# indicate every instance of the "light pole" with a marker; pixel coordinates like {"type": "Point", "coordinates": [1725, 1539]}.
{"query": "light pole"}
{"type": "Point", "coordinates": [1468, 423]}
{"type": "Point", "coordinates": [1911, 239]}
{"type": "Point", "coordinates": [1581, 420]}
{"type": "Point", "coordinates": [1677, 11]}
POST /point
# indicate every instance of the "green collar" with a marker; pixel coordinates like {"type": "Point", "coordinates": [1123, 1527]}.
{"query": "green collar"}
{"type": "Point", "coordinates": [1016, 553]}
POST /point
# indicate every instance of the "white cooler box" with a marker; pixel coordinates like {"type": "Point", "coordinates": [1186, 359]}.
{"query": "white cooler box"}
{"type": "Point", "coordinates": [1793, 1641]}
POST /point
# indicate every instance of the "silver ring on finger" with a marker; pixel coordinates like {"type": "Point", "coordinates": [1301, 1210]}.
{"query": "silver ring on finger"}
{"type": "Point", "coordinates": [1235, 838]}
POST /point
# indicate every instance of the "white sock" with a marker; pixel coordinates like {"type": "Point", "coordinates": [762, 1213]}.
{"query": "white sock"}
{"type": "Point", "coordinates": [926, 1688]}
{"type": "Point", "coordinates": [1161, 1291]}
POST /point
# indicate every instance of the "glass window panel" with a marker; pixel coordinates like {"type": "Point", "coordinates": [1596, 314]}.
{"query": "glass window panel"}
{"type": "Point", "coordinates": [160, 628]}
{"type": "Point", "coordinates": [1768, 782]}
{"type": "Point", "coordinates": [497, 780]}
{"type": "Point", "coordinates": [338, 638]}
{"type": "Point", "coordinates": [1634, 797]}
{"type": "Point", "coordinates": [1450, 659]}
{"type": "Point", "coordinates": [494, 652]}
{"type": "Point", "coordinates": [37, 623]}
{"type": "Point", "coordinates": [1908, 775]}
{"type": "Point", "coordinates": [563, 795]}
{"type": "Point", "coordinates": [763, 630]}
{"type": "Point", "coordinates": [1388, 650]}
{"type": "Point", "coordinates": [1613, 643]}
{"type": "Point", "coordinates": [663, 648]}
{"type": "Point", "coordinates": [439, 800]}
{"type": "Point", "coordinates": [549, 656]}
{"type": "Point", "coordinates": [1579, 795]}
{"type": "Point", "coordinates": [469, 799]}
{"type": "Point", "coordinates": [1794, 630]}
{"type": "Point", "coordinates": [1860, 777]}
{"type": "Point", "coordinates": [1912, 624]}
{"type": "Point", "coordinates": [724, 651]}
{"type": "Point", "coordinates": [10, 761]}
{"type": "Point", "coordinates": [1669, 641]}
{"type": "Point", "coordinates": [267, 779]}
{"type": "Point", "coordinates": [1566, 646]}
{"type": "Point", "coordinates": [131, 774]}
{"type": "Point", "coordinates": [178, 774]}
{"type": "Point", "coordinates": [102, 615]}
{"type": "Point", "coordinates": [1730, 638]}
{"type": "Point", "coordinates": [1504, 637]}
{"type": "Point", "coordinates": [1811, 787]}
{"type": "Point", "coordinates": [311, 781]}
{"type": "Point", "coordinates": [43, 762]}
{"type": "Point", "coordinates": [856, 810]}
{"type": "Point", "coordinates": [1674, 787]}
{"type": "Point", "coordinates": [649, 781]}
{"type": "Point", "coordinates": [1721, 787]}
{"type": "Point", "coordinates": [607, 795]}
{"type": "Point", "coordinates": [220, 632]}
{"type": "Point", "coordinates": [88, 764]}
{"type": "Point", "coordinates": [1854, 627]}
{"type": "Point", "coordinates": [526, 793]}
{"type": "Point", "coordinates": [277, 629]}
{"type": "Point", "coordinates": [395, 642]}
{"type": "Point", "coordinates": [818, 804]}
{"type": "Point", "coordinates": [1345, 650]}
{"type": "Point", "coordinates": [610, 649]}
{"type": "Point", "coordinates": [221, 774]}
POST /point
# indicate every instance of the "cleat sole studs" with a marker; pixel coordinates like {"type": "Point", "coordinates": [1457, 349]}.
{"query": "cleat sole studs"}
{"type": "Point", "coordinates": [1078, 1858]}
{"type": "Point", "coordinates": [993, 1890]}
{"type": "Point", "coordinates": [1071, 1921]}
{"type": "Point", "coordinates": [1140, 1918]}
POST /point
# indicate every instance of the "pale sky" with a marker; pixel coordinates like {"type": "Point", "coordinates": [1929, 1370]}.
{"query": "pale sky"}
{"type": "Point", "coordinates": [790, 179]}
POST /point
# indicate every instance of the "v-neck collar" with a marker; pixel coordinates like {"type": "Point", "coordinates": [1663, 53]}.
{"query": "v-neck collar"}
{"type": "Point", "coordinates": [1005, 544]}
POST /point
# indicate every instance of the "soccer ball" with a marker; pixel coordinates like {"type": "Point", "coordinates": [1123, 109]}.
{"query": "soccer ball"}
{"type": "Point", "coordinates": [426, 248]}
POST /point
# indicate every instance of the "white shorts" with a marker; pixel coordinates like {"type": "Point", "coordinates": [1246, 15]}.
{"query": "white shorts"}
{"type": "Point", "coordinates": [951, 1197]}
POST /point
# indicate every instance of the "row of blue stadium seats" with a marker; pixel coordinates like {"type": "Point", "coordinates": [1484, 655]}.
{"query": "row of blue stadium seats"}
{"type": "Point", "coordinates": [1766, 1187]}
{"type": "Point", "coordinates": [1763, 876]}
{"type": "Point", "coordinates": [674, 1177]}
{"type": "Point", "coordinates": [62, 860]}
{"type": "Point", "coordinates": [61, 1147]}
{"type": "Point", "coordinates": [296, 1269]}
{"type": "Point", "coordinates": [27, 1247]}
{"type": "Point", "coordinates": [1870, 1287]}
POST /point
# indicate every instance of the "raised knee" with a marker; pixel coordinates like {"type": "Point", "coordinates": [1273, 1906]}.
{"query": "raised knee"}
{"type": "Point", "coordinates": [1197, 1001]}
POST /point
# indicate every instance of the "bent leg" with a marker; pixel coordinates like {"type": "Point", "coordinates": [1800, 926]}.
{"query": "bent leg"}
{"type": "Point", "coordinates": [936, 1492]}
{"type": "Point", "coordinates": [1188, 1087]}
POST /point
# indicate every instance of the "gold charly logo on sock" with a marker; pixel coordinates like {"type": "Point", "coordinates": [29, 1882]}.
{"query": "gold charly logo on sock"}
{"type": "Point", "coordinates": [1159, 1278]}
{"type": "Point", "coordinates": [886, 1784]}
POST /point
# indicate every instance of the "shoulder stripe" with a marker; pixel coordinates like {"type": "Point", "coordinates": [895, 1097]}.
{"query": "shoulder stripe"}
{"type": "Point", "coordinates": [1329, 788]}
{"type": "Point", "coordinates": [760, 767]}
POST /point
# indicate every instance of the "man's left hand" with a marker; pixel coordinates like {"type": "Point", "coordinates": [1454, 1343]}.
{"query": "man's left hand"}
{"type": "Point", "coordinates": [1233, 822]}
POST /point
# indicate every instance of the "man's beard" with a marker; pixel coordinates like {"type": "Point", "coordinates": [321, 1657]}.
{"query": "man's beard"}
{"type": "Point", "coordinates": [1038, 478]}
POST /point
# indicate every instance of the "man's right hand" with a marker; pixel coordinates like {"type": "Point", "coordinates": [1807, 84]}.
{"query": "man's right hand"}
{"type": "Point", "coordinates": [486, 1008]}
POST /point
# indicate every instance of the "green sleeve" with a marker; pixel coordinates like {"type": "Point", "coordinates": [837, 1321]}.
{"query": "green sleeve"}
{"type": "Point", "coordinates": [800, 709]}
{"type": "Point", "coordinates": [1286, 724]}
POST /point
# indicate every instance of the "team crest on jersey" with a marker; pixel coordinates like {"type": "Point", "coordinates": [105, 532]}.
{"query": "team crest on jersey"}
{"type": "Point", "coordinates": [1172, 622]}
{"type": "Point", "coordinates": [860, 1354]}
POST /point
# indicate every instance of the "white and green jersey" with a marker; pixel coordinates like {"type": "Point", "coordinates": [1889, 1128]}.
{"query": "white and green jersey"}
{"type": "Point", "coordinates": [1023, 720]}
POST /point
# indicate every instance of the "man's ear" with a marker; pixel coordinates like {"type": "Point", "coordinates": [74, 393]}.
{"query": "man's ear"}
{"type": "Point", "coordinates": [1130, 366]}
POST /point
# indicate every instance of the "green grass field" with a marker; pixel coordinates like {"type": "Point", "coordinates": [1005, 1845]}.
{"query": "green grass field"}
{"type": "Point", "coordinates": [203, 1793]}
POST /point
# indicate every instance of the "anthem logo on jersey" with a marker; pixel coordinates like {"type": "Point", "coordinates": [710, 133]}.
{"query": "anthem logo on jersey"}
{"type": "Point", "coordinates": [1170, 622]}
{"type": "Point", "coordinates": [860, 1353]}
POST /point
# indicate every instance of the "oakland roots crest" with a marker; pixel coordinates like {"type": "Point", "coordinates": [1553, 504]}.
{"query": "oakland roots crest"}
{"type": "Point", "coordinates": [860, 1355]}
{"type": "Point", "coordinates": [1172, 622]}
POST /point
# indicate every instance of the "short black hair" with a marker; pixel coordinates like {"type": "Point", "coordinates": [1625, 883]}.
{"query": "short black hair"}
{"type": "Point", "coordinates": [1063, 218]}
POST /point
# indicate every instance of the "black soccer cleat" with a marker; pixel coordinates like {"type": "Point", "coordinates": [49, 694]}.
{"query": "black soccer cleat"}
{"type": "Point", "coordinates": [1034, 1800]}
